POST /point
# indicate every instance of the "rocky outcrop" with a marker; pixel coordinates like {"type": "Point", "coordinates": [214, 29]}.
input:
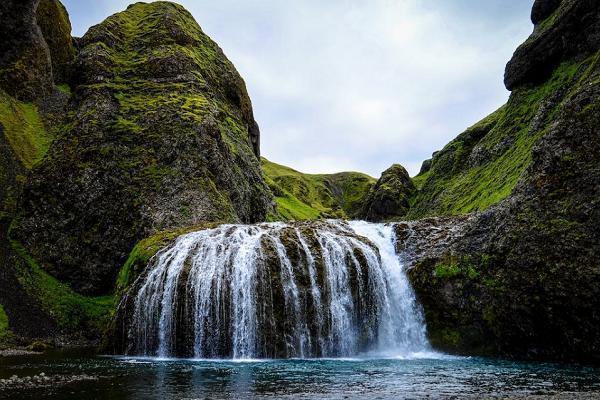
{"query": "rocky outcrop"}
{"type": "Point", "coordinates": [389, 198]}
{"type": "Point", "coordinates": [54, 23]}
{"type": "Point", "coordinates": [520, 278]}
{"type": "Point", "coordinates": [162, 136]}
{"type": "Point", "coordinates": [542, 9]}
{"type": "Point", "coordinates": [28, 101]}
{"type": "Point", "coordinates": [564, 30]}
{"type": "Point", "coordinates": [25, 64]}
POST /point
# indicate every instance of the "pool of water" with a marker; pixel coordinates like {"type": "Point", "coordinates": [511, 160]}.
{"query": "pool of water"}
{"type": "Point", "coordinates": [427, 375]}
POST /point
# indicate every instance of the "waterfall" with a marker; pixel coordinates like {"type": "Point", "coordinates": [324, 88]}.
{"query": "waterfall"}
{"type": "Point", "coordinates": [275, 290]}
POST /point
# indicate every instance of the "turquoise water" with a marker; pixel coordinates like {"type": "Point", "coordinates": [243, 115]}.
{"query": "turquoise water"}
{"type": "Point", "coordinates": [424, 376]}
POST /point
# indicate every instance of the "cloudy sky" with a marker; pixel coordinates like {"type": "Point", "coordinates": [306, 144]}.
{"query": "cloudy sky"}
{"type": "Point", "coordinates": [355, 84]}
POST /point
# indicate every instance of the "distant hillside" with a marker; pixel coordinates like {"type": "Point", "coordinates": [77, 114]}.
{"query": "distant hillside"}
{"type": "Point", "coordinates": [302, 196]}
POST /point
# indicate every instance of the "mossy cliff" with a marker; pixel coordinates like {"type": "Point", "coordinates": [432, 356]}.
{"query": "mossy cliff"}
{"type": "Point", "coordinates": [389, 198]}
{"type": "Point", "coordinates": [302, 196]}
{"type": "Point", "coordinates": [141, 126]}
{"type": "Point", "coordinates": [160, 135]}
{"type": "Point", "coordinates": [483, 164]}
{"type": "Point", "coordinates": [520, 279]}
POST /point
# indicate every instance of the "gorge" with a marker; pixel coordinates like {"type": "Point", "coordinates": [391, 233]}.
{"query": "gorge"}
{"type": "Point", "coordinates": [139, 218]}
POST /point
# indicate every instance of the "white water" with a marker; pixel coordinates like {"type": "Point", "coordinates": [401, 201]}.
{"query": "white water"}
{"type": "Point", "coordinates": [327, 289]}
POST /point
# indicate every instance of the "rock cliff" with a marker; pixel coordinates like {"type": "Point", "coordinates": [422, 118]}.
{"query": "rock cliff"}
{"type": "Point", "coordinates": [159, 135]}
{"type": "Point", "coordinates": [141, 125]}
{"type": "Point", "coordinates": [520, 279]}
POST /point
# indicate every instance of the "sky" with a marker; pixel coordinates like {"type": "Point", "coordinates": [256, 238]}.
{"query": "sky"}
{"type": "Point", "coordinates": [357, 85]}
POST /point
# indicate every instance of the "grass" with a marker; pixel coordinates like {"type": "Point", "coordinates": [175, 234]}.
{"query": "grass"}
{"type": "Point", "coordinates": [457, 183]}
{"type": "Point", "coordinates": [453, 267]}
{"type": "Point", "coordinates": [4, 331]}
{"type": "Point", "coordinates": [71, 311]}
{"type": "Point", "coordinates": [145, 249]}
{"type": "Point", "coordinates": [64, 88]}
{"type": "Point", "coordinates": [301, 196]}
{"type": "Point", "coordinates": [23, 129]}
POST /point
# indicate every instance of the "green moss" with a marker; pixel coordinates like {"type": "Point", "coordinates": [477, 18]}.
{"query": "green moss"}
{"type": "Point", "coordinates": [446, 338]}
{"type": "Point", "coordinates": [447, 270]}
{"type": "Point", "coordinates": [64, 88]}
{"type": "Point", "coordinates": [4, 332]}
{"type": "Point", "coordinates": [145, 249]}
{"type": "Point", "coordinates": [302, 196]}
{"type": "Point", "coordinates": [70, 310]}
{"type": "Point", "coordinates": [420, 179]}
{"type": "Point", "coordinates": [23, 129]}
{"type": "Point", "coordinates": [462, 181]}
{"type": "Point", "coordinates": [453, 267]}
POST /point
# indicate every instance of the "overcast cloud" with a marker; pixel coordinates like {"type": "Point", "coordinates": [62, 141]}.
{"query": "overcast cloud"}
{"type": "Point", "coordinates": [358, 85]}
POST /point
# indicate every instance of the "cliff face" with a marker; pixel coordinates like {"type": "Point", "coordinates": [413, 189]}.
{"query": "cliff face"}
{"type": "Point", "coordinates": [31, 105]}
{"type": "Point", "coordinates": [144, 125]}
{"type": "Point", "coordinates": [520, 279]}
{"type": "Point", "coordinates": [483, 164]}
{"type": "Point", "coordinates": [160, 135]}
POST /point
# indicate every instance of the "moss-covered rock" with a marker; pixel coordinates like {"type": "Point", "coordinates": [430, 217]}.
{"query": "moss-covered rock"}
{"type": "Point", "coordinates": [25, 64]}
{"type": "Point", "coordinates": [389, 198]}
{"type": "Point", "coordinates": [302, 196]}
{"type": "Point", "coordinates": [520, 279]}
{"type": "Point", "coordinates": [53, 20]}
{"type": "Point", "coordinates": [160, 136]}
{"type": "Point", "coordinates": [483, 164]}
{"type": "Point", "coordinates": [564, 30]}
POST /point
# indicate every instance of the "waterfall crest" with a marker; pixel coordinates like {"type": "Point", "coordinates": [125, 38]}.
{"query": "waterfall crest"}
{"type": "Point", "coordinates": [275, 290]}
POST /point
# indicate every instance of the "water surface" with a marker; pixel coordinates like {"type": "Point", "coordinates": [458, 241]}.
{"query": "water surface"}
{"type": "Point", "coordinates": [416, 376]}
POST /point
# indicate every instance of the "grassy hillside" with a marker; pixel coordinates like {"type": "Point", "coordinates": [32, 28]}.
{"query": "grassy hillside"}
{"type": "Point", "coordinates": [302, 196]}
{"type": "Point", "coordinates": [483, 164]}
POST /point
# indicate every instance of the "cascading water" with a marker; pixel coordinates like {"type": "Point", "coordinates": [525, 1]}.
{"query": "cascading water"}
{"type": "Point", "coordinates": [275, 290]}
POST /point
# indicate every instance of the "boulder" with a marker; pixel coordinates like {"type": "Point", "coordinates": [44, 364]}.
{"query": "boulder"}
{"type": "Point", "coordinates": [389, 198]}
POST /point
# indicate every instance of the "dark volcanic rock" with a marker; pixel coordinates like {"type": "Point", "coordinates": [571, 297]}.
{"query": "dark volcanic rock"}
{"type": "Point", "coordinates": [25, 65]}
{"type": "Point", "coordinates": [542, 9]}
{"type": "Point", "coordinates": [53, 20]}
{"type": "Point", "coordinates": [388, 199]}
{"type": "Point", "coordinates": [568, 30]}
{"type": "Point", "coordinates": [162, 136]}
{"type": "Point", "coordinates": [521, 279]}
{"type": "Point", "coordinates": [426, 166]}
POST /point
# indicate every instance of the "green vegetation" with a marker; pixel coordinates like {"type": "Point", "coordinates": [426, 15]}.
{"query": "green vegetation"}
{"type": "Point", "coordinates": [483, 164]}
{"type": "Point", "coordinates": [64, 88]}
{"type": "Point", "coordinates": [302, 196]}
{"type": "Point", "coordinates": [449, 270]}
{"type": "Point", "coordinates": [453, 267]}
{"type": "Point", "coordinates": [4, 332]}
{"type": "Point", "coordinates": [70, 310]}
{"type": "Point", "coordinates": [145, 249]}
{"type": "Point", "coordinates": [23, 129]}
